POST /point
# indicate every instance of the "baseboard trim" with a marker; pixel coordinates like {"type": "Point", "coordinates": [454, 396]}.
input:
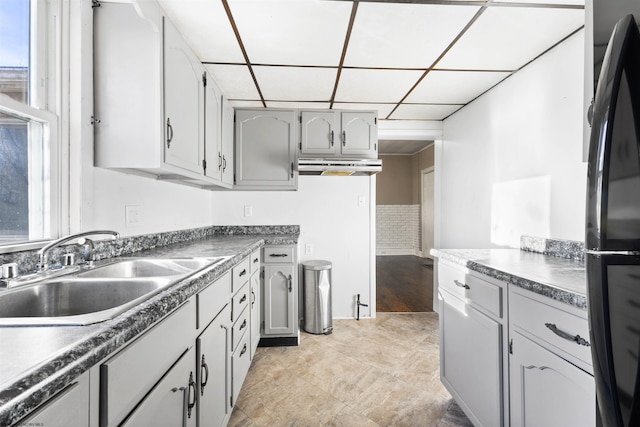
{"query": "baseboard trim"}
{"type": "Point", "coordinates": [278, 342]}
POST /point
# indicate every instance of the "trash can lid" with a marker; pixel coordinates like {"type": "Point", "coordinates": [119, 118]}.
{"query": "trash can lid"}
{"type": "Point", "coordinates": [316, 265]}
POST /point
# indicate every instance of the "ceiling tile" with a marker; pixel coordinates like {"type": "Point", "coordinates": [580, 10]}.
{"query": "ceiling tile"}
{"type": "Point", "coordinates": [236, 103]}
{"type": "Point", "coordinates": [386, 146]}
{"type": "Point", "coordinates": [423, 111]}
{"type": "Point", "coordinates": [454, 87]}
{"type": "Point", "coordinates": [296, 83]}
{"type": "Point", "coordinates": [375, 86]}
{"type": "Point", "coordinates": [301, 105]}
{"type": "Point", "coordinates": [296, 32]}
{"type": "Point", "coordinates": [382, 109]}
{"type": "Point", "coordinates": [206, 28]}
{"type": "Point", "coordinates": [506, 38]}
{"type": "Point", "coordinates": [234, 80]}
{"type": "Point", "coordinates": [377, 39]}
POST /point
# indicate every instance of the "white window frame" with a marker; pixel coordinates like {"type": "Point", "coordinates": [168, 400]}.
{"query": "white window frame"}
{"type": "Point", "coordinates": [47, 101]}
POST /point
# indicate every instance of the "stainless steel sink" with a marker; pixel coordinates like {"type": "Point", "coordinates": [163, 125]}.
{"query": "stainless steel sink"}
{"type": "Point", "coordinates": [95, 295]}
{"type": "Point", "coordinates": [148, 267]}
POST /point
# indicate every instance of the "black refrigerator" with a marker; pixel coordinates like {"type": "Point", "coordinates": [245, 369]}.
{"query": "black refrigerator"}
{"type": "Point", "coordinates": [613, 216]}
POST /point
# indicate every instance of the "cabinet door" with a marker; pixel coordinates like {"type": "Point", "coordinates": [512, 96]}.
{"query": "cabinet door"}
{"type": "Point", "coordinates": [471, 360]}
{"type": "Point", "coordinates": [227, 142]}
{"type": "Point", "coordinates": [359, 134]}
{"type": "Point", "coordinates": [546, 390]}
{"type": "Point", "coordinates": [69, 408]}
{"type": "Point", "coordinates": [265, 149]}
{"type": "Point", "coordinates": [212, 134]}
{"type": "Point", "coordinates": [172, 401]}
{"type": "Point", "coordinates": [279, 299]}
{"type": "Point", "coordinates": [183, 103]}
{"type": "Point", "coordinates": [214, 371]}
{"type": "Point", "coordinates": [319, 132]}
{"type": "Point", "coordinates": [255, 312]}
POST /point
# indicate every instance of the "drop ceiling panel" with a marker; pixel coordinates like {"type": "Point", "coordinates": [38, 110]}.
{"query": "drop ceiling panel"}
{"type": "Point", "coordinates": [382, 109]}
{"type": "Point", "coordinates": [454, 87]}
{"type": "Point", "coordinates": [296, 83]}
{"type": "Point", "coordinates": [206, 28]}
{"type": "Point", "coordinates": [300, 105]}
{"type": "Point", "coordinates": [234, 80]}
{"type": "Point", "coordinates": [363, 85]}
{"type": "Point", "coordinates": [423, 111]}
{"type": "Point", "coordinates": [379, 40]}
{"type": "Point", "coordinates": [300, 32]}
{"type": "Point", "coordinates": [245, 103]}
{"type": "Point", "coordinates": [506, 38]}
{"type": "Point", "coordinates": [401, 147]}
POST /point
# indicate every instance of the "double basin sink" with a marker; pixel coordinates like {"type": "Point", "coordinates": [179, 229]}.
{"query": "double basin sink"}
{"type": "Point", "coordinates": [94, 295]}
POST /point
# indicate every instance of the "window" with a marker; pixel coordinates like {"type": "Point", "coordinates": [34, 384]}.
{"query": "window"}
{"type": "Point", "coordinates": [28, 132]}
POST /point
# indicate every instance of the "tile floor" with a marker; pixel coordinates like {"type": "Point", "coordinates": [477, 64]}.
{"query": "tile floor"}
{"type": "Point", "coordinates": [372, 372]}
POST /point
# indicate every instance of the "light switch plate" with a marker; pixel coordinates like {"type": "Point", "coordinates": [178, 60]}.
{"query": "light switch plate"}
{"type": "Point", "coordinates": [308, 249]}
{"type": "Point", "coordinates": [132, 215]}
{"type": "Point", "coordinates": [248, 211]}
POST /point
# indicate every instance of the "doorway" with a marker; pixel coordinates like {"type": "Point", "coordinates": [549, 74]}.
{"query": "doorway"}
{"type": "Point", "coordinates": [426, 217]}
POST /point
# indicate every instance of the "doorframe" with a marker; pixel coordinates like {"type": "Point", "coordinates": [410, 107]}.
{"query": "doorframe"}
{"type": "Point", "coordinates": [423, 172]}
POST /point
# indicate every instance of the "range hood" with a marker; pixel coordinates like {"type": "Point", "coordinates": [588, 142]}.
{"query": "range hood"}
{"type": "Point", "coordinates": [339, 167]}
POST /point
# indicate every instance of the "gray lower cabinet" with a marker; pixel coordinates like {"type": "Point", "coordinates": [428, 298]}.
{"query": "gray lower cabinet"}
{"type": "Point", "coordinates": [280, 291]}
{"type": "Point", "coordinates": [69, 408]}
{"type": "Point", "coordinates": [265, 149]}
{"type": "Point", "coordinates": [213, 349]}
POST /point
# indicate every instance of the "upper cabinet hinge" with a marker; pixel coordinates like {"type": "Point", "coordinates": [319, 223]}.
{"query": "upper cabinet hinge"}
{"type": "Point", "coordinates": [300, 118]}
{"type": "Point", "coordinates": [94, 120]}
{"type": "Point", "coordinates": [375, 120]}
{"type": "Point", "coordinates": [204, 165]}
{"type": "Point", "coordinates": [204, 79]}
{"type": "Point", "coordinates": [300, 146]}
{"type": "Point", "coordinates": [511, 346]}
{"type": "Point", "coordinates": [95, 3]}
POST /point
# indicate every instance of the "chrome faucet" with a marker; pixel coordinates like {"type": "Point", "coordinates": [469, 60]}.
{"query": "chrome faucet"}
{"type": "Point", "coordinates": [87, 250]}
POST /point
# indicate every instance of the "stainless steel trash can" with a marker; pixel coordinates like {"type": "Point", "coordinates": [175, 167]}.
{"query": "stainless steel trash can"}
{"type": "Point", "coordinates": [317, 297]}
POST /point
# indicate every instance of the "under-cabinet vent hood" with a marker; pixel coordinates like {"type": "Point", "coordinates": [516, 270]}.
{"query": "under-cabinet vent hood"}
{"type": "Point", "coordinates": [339, 167]}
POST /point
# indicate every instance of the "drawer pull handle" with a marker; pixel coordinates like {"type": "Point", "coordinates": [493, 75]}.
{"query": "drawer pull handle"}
{"type": "Point", "coordinates": [290, 280]}
{"type": "Point", "coordinates": [244, 324]}
{"type": "Point", "coordinates": [244, 350]}
{"type": "Point", "coordinates": [243, 299]}
{"type": "Point", "coordinates": [277, 255]}
{"type": "Point", "coordinates": [256, 260]}
{"type": "Point", "coordinates": [461, 285]}
{"type": "Point", "coordinates": [562, 334]}
{"type": "Point", "coordinates": [242, 273]}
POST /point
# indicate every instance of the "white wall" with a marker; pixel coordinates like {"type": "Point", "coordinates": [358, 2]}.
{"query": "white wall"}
{"type": "Point", "coordinates": [511, 161]}
{"type": "Point", "coordinates": [331, 220]}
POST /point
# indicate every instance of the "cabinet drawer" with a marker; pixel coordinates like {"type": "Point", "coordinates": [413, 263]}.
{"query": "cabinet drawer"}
{"type": "Point", "coordinates": [254, 260]}
{"type": "Point", "coordinates": [240, 301]}
{"type": "Point", "coordinates": [240, 274]}
{"type": "Point", "coordinates": [553, 326]}
{"type": "Point", "coordinates": [278, 254]}
{"type": "Point", "coordinates": [239, 328]}
{"type": "Point", "coordinates": [212, 300]}
{"type": "Point", "coordinates": [240, 361]}
{"type": "Point", "coordinates": [127, 377]}
{"type": "Point", "coordinates": [471, 289]}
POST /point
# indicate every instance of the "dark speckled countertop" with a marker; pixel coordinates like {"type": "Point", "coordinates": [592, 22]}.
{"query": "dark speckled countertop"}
{"type": "Point", "coordinates": [38, 362]}
{"type": "Point", "coordinates": [558, 278]}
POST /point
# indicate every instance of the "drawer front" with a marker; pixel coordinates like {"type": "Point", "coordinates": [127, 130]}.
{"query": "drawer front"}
{"type": "Point", "coordinates": [254, 260]}
{"type": "Point", "coordinates": [127, 377]}
{"type": "Point", "coordinates": [239, 328]}
{"type": "Point", "coordinates": [553, 326]}
{"type": "Point", "coordinates": [240, 301]}
{"type": "Point", "coordinates": [240, 361]}
{"type": "Point", "coordinates": [471, 289]}
{"type": "Point", "coordinates": [278, 254]}
{"type": "Point", "coordinates": [212, 300]}
{"type": "Point", "coordinates": [241, 273]}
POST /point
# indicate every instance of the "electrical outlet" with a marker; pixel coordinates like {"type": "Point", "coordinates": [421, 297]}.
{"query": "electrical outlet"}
{"type": "Point", "coordinates": [248, 211]}
{"type": "Point", "coordinates": [308, 249]}
{"type": "Point", "coordinates": [132, 216]}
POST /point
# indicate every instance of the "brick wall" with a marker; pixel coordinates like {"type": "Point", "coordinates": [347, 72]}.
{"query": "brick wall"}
{"type": "Point", "coordinates": [397, 229]}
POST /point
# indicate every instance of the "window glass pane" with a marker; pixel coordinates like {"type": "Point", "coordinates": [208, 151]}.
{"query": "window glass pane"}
{"type": "Point", "coordinates": [14, 49]}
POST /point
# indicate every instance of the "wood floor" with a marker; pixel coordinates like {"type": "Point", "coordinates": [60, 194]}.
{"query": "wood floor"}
{"type": "Point", "coordinates": [404, 284]}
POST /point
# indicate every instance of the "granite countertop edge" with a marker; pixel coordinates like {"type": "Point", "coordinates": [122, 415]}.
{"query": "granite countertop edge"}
{"type": "Point", "coordinates": [26, 391]}
{"type": "Point", "coordinates": [547, 289]}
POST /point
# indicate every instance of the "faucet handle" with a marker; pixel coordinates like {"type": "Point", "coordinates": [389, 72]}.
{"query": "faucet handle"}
{"type": "Point", "coordinates": [10, 270]}
{"type": "Point", "coordinates": [87, 250]}
{"type": "Point", "coordinates": [67, 260]}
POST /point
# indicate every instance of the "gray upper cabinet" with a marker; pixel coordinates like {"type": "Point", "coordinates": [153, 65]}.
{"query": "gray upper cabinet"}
{"type": "Point", "coordinates": [265, 149]}
{"type": "Point", "coordinates": [338, 133]}
{"type": "Point", "coordinates": [227, 142]}
{"type": "Point", "coordinates": [218, 139]}
{"type": "Point", "coordinates": [149, 96]}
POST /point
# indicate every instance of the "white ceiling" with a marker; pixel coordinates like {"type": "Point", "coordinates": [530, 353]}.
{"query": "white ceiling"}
{"type": "Point", "coordinates": [409, 60]}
